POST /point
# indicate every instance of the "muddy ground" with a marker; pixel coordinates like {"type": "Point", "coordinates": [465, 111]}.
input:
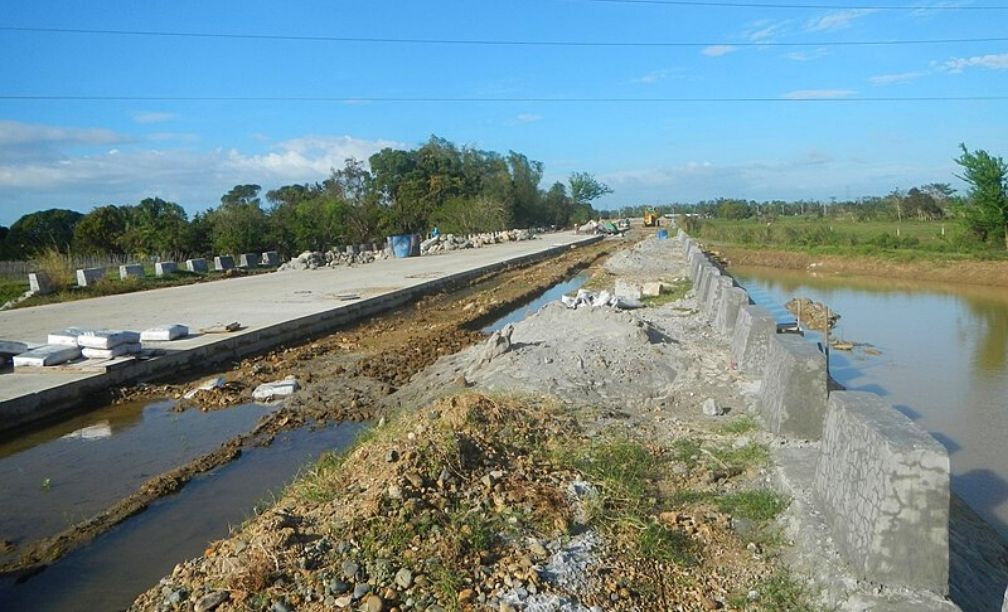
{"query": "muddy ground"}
{"type": "Point", "coordinates": [346, 375]}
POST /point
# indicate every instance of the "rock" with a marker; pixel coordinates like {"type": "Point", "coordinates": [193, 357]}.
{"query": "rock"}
{"type": "Point", "coordinates": [395, 492]}
{"type": "Point", "coordinates": [627, 290]}
{"type": "Point", "coordinates": [360, 590]}
{"type": "Point", "coordinates": [537, 549]}
{"type": "Point", "coordinates": [711, 407]}
{"type": "Point", "coordinates": [466, 595]}
{"type": "Point", "coordinates": [344, 601]}
{"type": "Point", "coordinates": [349, 569]}
{"type": "Point", "coordinates": [498, 344]}
{"type": "Point", "coordinates": [742, 526]}
{"type": "Point", "coordinates": [373, 603]}
{"type": "Point", "coordinates": [207, 385]}
{"type": "Point", "coordinates": [210, 601]}
{"type": "Point", "coordinates": [404, 578]}
{"type": "Point", "coordinates": [281, 606]}
{"type": "Point", "coordinates": [392, 456]}
{"type": "Point", "coordinates": [281, 388]}
{"type": "Point", "coordinates": [652, 289]}
{"type": "Point", "coordinates": [337, 587]}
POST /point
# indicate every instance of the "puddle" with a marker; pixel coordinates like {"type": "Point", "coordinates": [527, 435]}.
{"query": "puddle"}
{"type": "Point", "coordinates": [550, 295]}
{"type": "Point", "coordinates": [111, 572]}
{"type": "Point", "coordinates": [57, 476]}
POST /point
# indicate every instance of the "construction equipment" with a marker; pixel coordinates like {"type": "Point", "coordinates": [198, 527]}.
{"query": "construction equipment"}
{"type": "Point", "coordinates": [651, 218]}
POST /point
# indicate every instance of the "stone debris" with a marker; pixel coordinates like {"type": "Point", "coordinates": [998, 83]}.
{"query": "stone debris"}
{"type": "Point", "coordinates": [272, 390]}
{"type": "Point", "coordinates": [452, 242]}
{"type": "Point", "coordinates": [601, 299]}
{"type": "Point", "coordinates": [47, 355]}
{"type": "Point", "coordinates": [710, 407]}
{"type": "Point", "coordinates": [812, 315]}
{"type": "Point", "coordinates": [119, 350]}
{"type": "Point", "coordinates": [207, 385]}
{"type": "Point", "coordinates": [164, 333]}
{"type": "Point", "coordinates": [106, 338]}
{"type": "Point", "coordinates": [66, 337]}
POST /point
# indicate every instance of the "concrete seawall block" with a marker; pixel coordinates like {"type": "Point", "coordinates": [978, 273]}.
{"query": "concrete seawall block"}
{"type": "Point", "coordinates": [223, 263]}
{"type": "Point", "coordinates": [719, 288]}
{"type": "Point", "coordinates": [39, 283]}
{"type": "Point", "coordinates": [753, 328]}
{"type": "Point", "coordinates": [709, 276]}
{"type": "Point", "coordinates": [270, 259]}
{"type": "Point", "coordinates": [728, 308]}
{"type": "Point", "coordinates": [131, 271]}
{"type": "Point", "coordinates": [198, 265]}
{"type": "Point", "coordinates": [884, 486]}
{"type": "Point", "coordinates": [696, 260]}
{"type": "Point", "coordinates": [89, 276]}
{"type": "Point", "coordinates": [248, 260]}
{"type": "Point", "coordinates": [164, 268]}
{"type": "Point", "coordinates": [793, 395]}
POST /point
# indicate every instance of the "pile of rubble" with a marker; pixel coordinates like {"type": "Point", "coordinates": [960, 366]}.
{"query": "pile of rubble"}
{"type": "Point", "coordinates": [337, 256]}
{"type": "Point", "coordinates": [452, 242]}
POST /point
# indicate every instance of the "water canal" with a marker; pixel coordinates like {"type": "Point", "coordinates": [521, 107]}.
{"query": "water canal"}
{"type": "Point", "coordinates": [943, 361]}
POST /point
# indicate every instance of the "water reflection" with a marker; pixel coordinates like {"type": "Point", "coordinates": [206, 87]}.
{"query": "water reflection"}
{"type": "Point", "coordinates": [943, 362]}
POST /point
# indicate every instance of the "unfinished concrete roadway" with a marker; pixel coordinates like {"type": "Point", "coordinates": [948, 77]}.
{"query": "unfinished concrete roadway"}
{"type": "Point", "coordinates": [272, 309]}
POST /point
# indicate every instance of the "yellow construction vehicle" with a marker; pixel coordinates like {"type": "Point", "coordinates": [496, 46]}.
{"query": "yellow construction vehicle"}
{"type": "Point", "coordinates": [651, 218]}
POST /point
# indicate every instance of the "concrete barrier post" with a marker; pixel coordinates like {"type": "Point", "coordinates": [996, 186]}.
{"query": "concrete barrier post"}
{"type": "Point", "coordinates": [793, 395]}
{"type": "Point", "coordinates": [198, 265]}
{"type": "Point", "coordinates": [717, 294]}
{"type": "Point", "coordinates": [89, 276]}
{"type": "Point", "coordinates": [164, 268]}
{"type": "Point", "coordinates": [248, 260]}
{"type": "Point", "coordinates": [271, 259]}
{"type": "Point", "coordinates": [702, 276]}
{"type": "Point", "coordinates": [884, 487]}
{"type": "Point", "coordinates": [753, 329]}
{"type": "Point", "coordinates": [39, 283]}
{"type": "Point", "coordinates": [223, 263]}
{"type": "Point", "coordinates": [731, 300]}
{"type": "Point", "coordinates": [131, 271]}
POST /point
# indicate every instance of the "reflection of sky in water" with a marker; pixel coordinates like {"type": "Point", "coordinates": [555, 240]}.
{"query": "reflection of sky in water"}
{"type": "Point", "coordinates": [944, 363]}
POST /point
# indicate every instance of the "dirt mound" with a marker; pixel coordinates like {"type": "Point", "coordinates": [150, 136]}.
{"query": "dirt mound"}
{"type": "Point", "coordinates": [812, 315]}
{"type": "Point", "coordinates": [651, 258]}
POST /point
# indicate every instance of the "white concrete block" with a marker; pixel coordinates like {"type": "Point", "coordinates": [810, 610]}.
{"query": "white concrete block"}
{"type": "Point", "coordinates": [131, 271]}
{"type": "Point", "coordinates": [39, 283]}
{"type": "Point", "coordinates": [652, 289]}
{"type": "Point", "coordinates": [223, 263]}
{"type": "Point", "coordinates": [164, 333]}
{"type": "Point", "coordinates": [47, 355]}
{"type": "Point", "coordinates": [106, 338]}
{"type": "Point", "coordinates": [628, 290]}
{"type": "Point", "coordinates": [198, 265]}
{"type": "Point", "coordinates": [66, 337]}
{"type": "Point", "coordinates": [163, 268]}
{"type": "Point", "coordinates": [89, 276]}
{"type": "Point", "coordinates": [248, 260]}
{"type": "Point", "coordinates": [129, 348]}
{"type": "Point", "coordinates": [281, 388]}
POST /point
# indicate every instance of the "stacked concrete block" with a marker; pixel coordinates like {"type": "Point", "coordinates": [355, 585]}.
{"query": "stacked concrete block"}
{"type": "Point", "coordinates": [164, 268]}
{"type": "Point", "coordinates": [223, 263]}
{"type": "Point", "coordinates": [754, 327]}
{"type": "Point", "coordinates": [198, 265]}
{"type": "Point", "coordinates": [129, 271]}
{"type": "Point", "coordinates": [884, 487]}
{"type": "Point", "coordinates": [248, 260]}
{"type": "Point", "coordinates": [89, 276]}
{"type": "Point", "coordinates": [39, 283]}
{"type": "Point", "coordinates": [793, 394]}
{"type": "Point", "coordinates": [732, 300]}
{"type": "Point", "coordinates": [271, 259]}
{"type": "Point", "coordinates": [46, 355]}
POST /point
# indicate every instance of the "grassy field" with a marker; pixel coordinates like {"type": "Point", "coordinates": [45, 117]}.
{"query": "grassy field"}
{"type": "Point", "coordinates": [905, 241]}
{"type": "Point", "coordinates": [10, 289]}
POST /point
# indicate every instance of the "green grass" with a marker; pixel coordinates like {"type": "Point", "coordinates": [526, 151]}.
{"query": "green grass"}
{"type": "Point", "coordinates": [750, 455]}
{"type": "Point", "coordinates": [757, 505]}
{"type": "Point", "coordinates": [10, 289]}
{"type": "Point", "coordinates": [676, 293]}
{"type": "Point", "coordinates": [781, 591]}
{"type": "Point", "coordinates": [738, 426]}
{"type": "Point", "coordinates": [907, 241]}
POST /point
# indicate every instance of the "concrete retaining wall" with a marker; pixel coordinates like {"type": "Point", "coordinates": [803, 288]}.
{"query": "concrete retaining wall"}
{"type": "Point", "coordinates": [754, 326]}
{"type": "Point", "coordinates": [793, 395]}
{"type": "Point", "coordinates": [728, 308]}
{"type": "Point", "coordinates": [884, 486]}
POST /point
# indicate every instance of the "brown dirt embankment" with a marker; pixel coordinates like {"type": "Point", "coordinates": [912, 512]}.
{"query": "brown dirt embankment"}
{"type": "Point", "coordinates": [345, 376]}
{"type": "Point", "coordinates": [990, 273]}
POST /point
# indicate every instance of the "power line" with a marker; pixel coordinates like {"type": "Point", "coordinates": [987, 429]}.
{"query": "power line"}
{"type": "Point", "coordinates": [493, 42]}
{"type": "Point", "coordinates": [829, 7]}
{"type": "Point", "coordinates": [442, 99]}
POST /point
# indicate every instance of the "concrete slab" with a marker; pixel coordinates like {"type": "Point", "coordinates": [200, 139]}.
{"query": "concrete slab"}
{"type": "Point", "coordinates": [46, 355]}
{"type": "Point", "coordinates": [164, 333]}
{"type": "Point", "coordinates": [272, 308]}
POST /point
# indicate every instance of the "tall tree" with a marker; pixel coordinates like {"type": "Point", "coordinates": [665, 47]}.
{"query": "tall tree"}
{"type": "Point", "coordinates": [42, 230]}
{"type": "Point", "coordinates": [239, 224]}
{"type": "Point", "coordinates": [101, 231]}
{"type": "Point", "coordinates": [986, 205]}
{"type": "Point", "coordinates": [156, 226]}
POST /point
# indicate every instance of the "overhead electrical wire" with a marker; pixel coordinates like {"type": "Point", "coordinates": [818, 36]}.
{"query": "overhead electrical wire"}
{"type": "Point", "coordinates": [828, 7]}
{"type": "Point", "coordinates": [494, 42]}
{"type": "Point", "coordinates": [446, 99]}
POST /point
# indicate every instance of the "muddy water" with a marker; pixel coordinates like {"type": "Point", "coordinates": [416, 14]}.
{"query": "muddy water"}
{"type": "Point", "coordinates": [943, 362]}
{"type": "Point", "coordinates": [118, 566]}
{"type": "Point", "coordinates": [60, 475]}
{"type": "Point", "coordinates": [552, 294]}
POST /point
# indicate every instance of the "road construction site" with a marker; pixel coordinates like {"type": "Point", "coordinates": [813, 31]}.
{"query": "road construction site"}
{"type": "Point", "coordinates": [611, 450]}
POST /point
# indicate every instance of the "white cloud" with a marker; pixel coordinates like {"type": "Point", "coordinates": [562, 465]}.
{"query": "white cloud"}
{"type": "Point", "coordinates": [818, 94]}
{"type": "Point", "coordinates": [718, 50]}
{"type": "Point", "coordinates": [527, 118]}
{"type": "Point", "coordinates": [765, 30]}
{"type": "Point", "coordinates": [15, 133]}
{"type": "Point", "coordinates": [836, 20]}
{"type": "Point", "coordinates": [65, 176]}
{"type": "Point", "coordinates": [153, 117]}
{"type": "Point", "coordinates": [658, 75]}
{"type": "Point", "coordinates": [901, 77]}
{"type": "Point", "coordinates": [808, 56]}
{"type": "Point", "coordinates": [993, 61]}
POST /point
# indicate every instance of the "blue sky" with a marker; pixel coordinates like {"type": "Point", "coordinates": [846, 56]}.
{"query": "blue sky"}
{"type": "Point", "coordinates": [82, 153]}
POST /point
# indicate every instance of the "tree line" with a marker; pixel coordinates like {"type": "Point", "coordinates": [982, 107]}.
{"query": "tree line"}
{"type": "Point", "coordinates": [438, 184]}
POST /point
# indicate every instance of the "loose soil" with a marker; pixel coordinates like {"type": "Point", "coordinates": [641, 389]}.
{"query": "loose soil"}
{"type": "Point", "coordinates": [991, 273]}
{"type": "Point", "coordinates": [344, 376]}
